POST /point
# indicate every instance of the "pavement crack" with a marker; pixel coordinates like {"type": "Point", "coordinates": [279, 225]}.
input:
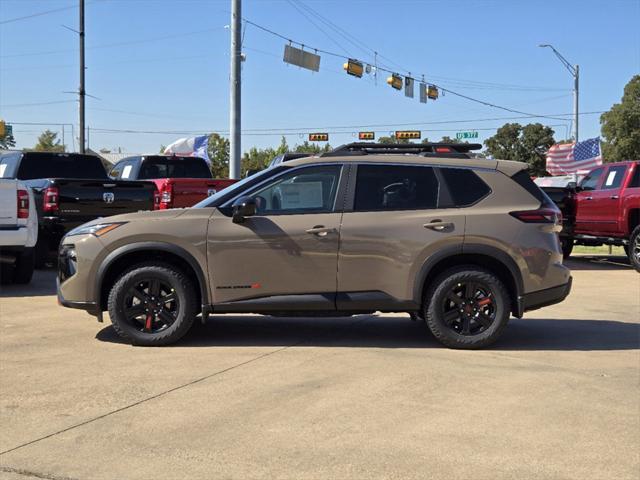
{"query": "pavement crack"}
{"type": "Point", "coordinates": [28, 473]}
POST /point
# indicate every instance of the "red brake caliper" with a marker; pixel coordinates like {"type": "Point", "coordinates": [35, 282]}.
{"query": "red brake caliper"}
{"type": "Point", "coordinates": [484, 301]}
{"type": "Point", "coordinates": [147, 323]}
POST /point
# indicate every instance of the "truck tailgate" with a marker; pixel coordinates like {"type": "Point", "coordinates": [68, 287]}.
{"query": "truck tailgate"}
{"type": "Point", "coordinates": [8, 202]}
{"type": "Point", "coordinates": [84, 200]}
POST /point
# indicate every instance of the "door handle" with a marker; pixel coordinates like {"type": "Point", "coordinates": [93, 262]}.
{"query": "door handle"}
{"type": "Point", "coordinates": [614, 197]}
{"type": "Point", "coordinates": [320, 230]}
{"type": "Point", "coordinates": [588, 198]}
{"type": "Point", "coordinates": [438, 225]}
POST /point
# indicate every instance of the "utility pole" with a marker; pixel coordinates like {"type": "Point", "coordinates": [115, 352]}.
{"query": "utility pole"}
{"type": "Point", "coordinates": [81, 91]}
{"type": "Point", "coordinates": [235, 95]}
{"type": "Point", "coordinates": [575, 73]}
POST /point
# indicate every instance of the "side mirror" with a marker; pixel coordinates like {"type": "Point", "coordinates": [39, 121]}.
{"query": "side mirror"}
{"type": "Point", "coordinates": [244, 207]}
{"type": "Point", "coordinates": [573, 186]}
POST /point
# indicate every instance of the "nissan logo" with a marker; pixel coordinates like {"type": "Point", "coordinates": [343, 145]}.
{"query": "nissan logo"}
{"type": "Point", "coordinates": [108, 197]}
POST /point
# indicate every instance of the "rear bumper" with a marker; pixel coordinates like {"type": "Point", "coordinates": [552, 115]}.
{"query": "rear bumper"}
{"type": "Point", "coordinates": [544, 298]}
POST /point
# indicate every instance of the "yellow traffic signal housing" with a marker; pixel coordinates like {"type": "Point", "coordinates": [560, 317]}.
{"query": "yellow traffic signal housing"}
{"type": "Point", "coordinates": [3, 128]}
{"type": "Point", "coordinates": [354, 67]}
{"type": "Point", "coordinates": [366, 135]}
{"type": "Point", "coordinates": [395, 81]}
{"type": "Point", "coordinates": [432, 92]}
{"type": "Point", "coordinates": [408, 134]}
{"type": "Point", "coordinates": [318, 137]}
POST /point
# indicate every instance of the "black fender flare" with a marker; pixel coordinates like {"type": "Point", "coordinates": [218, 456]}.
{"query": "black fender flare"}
{"type": "Point", "coordinates": [470, 249]}
{"type": "Point", "coordinates": [142, 246]}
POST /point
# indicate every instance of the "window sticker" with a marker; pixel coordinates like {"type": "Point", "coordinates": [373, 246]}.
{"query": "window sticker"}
{"type": "Point", "coordinates": [126, 171]}
{"type": "Point", "coordinates": [611, 178]}
{"type": "Point", "coordinates": [3, 167]}
{"type": "Point", "coordinates": [301, 195]}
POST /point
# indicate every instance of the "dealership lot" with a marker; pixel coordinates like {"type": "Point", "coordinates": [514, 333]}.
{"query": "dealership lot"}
{"type": "Point", "coordinates": [361, 397]}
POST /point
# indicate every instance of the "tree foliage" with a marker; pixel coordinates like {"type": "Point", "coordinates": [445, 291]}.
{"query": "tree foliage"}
{"type": "Point", "coordinates": [48, 142]}
{"type": "Point", "coordinates": [621, 125]}
{"type": "Point", "coordinates": [7, 141]}
{"type": "Point", "coordinates": [218, 151]}
{"type": "Point", "coordinates": [259, 158]}
{"type": "Point", "coordinates": [527, 144]}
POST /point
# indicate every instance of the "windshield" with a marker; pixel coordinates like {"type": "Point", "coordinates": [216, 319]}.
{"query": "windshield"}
{"type": "Point", "coordinates": [231, 191]}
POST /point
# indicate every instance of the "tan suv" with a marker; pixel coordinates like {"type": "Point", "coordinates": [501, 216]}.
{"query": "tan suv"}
{"type": "Point", "coordinates": [460, 242]}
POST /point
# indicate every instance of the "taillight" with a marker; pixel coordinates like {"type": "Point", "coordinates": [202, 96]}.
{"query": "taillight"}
{"type": "Point", "coordinates": [51, 199]}
{"type": "Point", "coordinates": [541, 215]}
{"type": "Point", "coordinates": [23, 204]}
{"type": "Point", "coordinates": [166, 196]}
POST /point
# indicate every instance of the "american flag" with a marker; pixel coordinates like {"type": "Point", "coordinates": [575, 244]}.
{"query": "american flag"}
{"type": "Point", "coordinates": [566, 158]}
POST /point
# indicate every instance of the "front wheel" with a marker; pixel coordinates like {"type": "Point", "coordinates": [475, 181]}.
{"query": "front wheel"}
{"type": "Point", "coordinates": [152, 304]}
{"type": "Point", "coordinates": [633, 250]}
{"type": "Point", "coordinates": [467, 308]}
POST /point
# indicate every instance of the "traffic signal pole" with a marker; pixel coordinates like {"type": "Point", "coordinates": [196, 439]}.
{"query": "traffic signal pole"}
{"type": "Point", "coordinates": [576, 85]}
{"type": "Point", "coordinates": [81, 91]}
{"type": "Point", "coordinates": [235, 94]}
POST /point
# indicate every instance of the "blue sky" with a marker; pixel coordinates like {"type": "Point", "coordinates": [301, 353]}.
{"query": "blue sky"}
{"type": "Point", "coordinates": [162, 66]}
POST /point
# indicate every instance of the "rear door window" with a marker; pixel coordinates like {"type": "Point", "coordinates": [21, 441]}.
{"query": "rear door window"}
{"type": "Point", "coordinates": [395, 187]}
{"type": "Point", "coordinates": [614, 177]}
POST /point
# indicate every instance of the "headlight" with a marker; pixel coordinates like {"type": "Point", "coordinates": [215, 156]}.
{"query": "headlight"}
{"type": "Point", "coordinates": [98, 229]}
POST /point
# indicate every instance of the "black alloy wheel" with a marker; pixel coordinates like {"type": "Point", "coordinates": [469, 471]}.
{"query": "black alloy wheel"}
{"type": "Point", "coordinates": [469, 309]}
{"type": "Point", "coordinates": [151, 305]}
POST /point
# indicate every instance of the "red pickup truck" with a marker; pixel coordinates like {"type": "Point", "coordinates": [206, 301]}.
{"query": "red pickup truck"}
{"type": "Point", "coordinates": [603, 209]}
{"type": "Point", "coordinates": [180, 181]}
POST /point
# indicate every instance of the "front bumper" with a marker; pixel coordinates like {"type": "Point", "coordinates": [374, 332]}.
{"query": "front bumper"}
{"type": "Point", "coordinates": [544, 298]}
{"type": "Point", "coordinates": [89, 307]}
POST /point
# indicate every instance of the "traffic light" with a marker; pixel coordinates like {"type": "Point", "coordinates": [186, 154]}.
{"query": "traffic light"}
{"type": "Point", "coordinates": [432, 92]}
{"type": "Point", "coordinates": [3, 128]}
{"type": "Point", "coordinates": [408, 134]}
{"type": "Point", "coordinates": [354, 67]}
{"type": "Point", "coordinates": [366, 135]}
{"type": "Point", "coordinates": [395, 81]}
{"type": "Point", "coordinates": [318, 137]}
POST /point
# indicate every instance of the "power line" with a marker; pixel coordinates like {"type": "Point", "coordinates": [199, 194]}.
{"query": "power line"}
{"type": "Point", "coordinates": [46, 12]}
{"type": "Point", "coordinates": [446, 90]}
{"type": "Point", "coordinates": [37, 104]}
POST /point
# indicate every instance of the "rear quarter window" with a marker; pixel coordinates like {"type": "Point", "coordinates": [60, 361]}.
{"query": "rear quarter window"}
{"type": "Point", "coordinates": [523, 179]}
{"type": "Point", "coordinates": [464, 186]}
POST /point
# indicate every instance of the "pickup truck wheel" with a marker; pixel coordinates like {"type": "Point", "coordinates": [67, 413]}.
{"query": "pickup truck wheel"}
{"type": "Point", "coordinates": [633, 251]}
{"type": "Point", "coordinates": [24, 266]}
{"type": "Point", "coordinates": [152, 304]}
{"type": "Point", "coordinates": [467, 307]}
{"type": "Point", "coordinates": [567, 246]}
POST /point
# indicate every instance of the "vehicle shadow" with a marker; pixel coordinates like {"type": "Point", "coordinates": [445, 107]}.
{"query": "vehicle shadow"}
{"type": "Point", "coordinates": [598, 262]}
{"type": "Point", "coordinates": [43, 283]}
{"type": "Point", "coordinates": [370, 331]}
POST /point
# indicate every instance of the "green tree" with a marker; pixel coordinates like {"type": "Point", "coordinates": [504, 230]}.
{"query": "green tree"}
{"type": "Point", "coordinates": [448, 139]}
{"type": "Point", "coordinates": [306, 147]}
{"type": "Point", "coordinates": [48, 142]}
{"type": "Point", "coordinates": [527, 144]}
{"type": "Point", "coordinates": [392, 140]}
{"type": "Point", "coordinates": [7, 141]}
{"type": "Point", "coordinates": [621, 125]}
{"type": "Point", "coordinates": [218, 151]}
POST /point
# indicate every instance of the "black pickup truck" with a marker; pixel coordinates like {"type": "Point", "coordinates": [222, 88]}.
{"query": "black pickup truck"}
{"type": "Point", "coordinates": [71, 189]}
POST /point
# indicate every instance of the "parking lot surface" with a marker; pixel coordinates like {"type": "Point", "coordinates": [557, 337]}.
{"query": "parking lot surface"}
{"type": "Point", "coordinates": [371, 396]}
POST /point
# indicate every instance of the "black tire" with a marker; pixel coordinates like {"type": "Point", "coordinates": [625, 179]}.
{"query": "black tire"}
{"type": "Point", "coordinates": [477, 315]}
{"type": "Point", "coordinates": [566, 244]}
{"type": "Point", "coordinates": [41, 252]}
{"type": "Point", "coordinates": [416, 316]}
{"type": "Point", "coordinates": [136, 286]}
{"type": "Point", "coordinates": [633, 250]}
{"type": "Point", "coordinates": [24, 266]}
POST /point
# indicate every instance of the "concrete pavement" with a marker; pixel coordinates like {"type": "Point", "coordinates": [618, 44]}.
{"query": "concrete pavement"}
{"type": "Point", "coordinates": [361, 397]}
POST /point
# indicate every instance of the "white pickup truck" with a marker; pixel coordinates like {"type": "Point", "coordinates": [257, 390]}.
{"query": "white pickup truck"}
{"type": "Point", "coordinates": [18, 231]}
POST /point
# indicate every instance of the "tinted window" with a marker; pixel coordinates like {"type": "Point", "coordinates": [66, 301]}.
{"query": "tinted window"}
{"type": "Point", "coordinates": [178, 168]}
{"type": "Point", "coordinates": [590, 182]}
{"type": "Point", "coordinates": [614, 177]}
{"type": "Point", "coordinates": [395, 187]}
{"type": "Point", "coordinates": [523, 179]}
{"type": "Point", "coordinates": [635, 181]}
{"type": "Point", "coordinates": [51, 165]}
{"type": "Point", "coordinates": [465, 187]}
{"type": "Point", "coordinates": [8, 163]}
{"type": "Point", "coordinates": [303, 190]}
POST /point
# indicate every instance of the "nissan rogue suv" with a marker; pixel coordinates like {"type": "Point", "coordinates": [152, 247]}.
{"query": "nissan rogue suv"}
{"type": "Point", "coordinates": [460, 242]}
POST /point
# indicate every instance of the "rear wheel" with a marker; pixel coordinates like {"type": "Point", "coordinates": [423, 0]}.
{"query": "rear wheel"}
{"type": "Point", "coordinates": [467, 308]}
{"type": "Point", "coordinates": [633, 250]}
{"type": "Point", "coordinates": [152, 305]}
{"type": "Point", "coordinates": [566, 243]}
{"type": "Point", "coordinates": [23, 268]}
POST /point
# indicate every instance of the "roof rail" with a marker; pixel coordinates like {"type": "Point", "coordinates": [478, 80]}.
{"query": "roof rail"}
{"type": "Point", "coordinates": [454, 150]}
